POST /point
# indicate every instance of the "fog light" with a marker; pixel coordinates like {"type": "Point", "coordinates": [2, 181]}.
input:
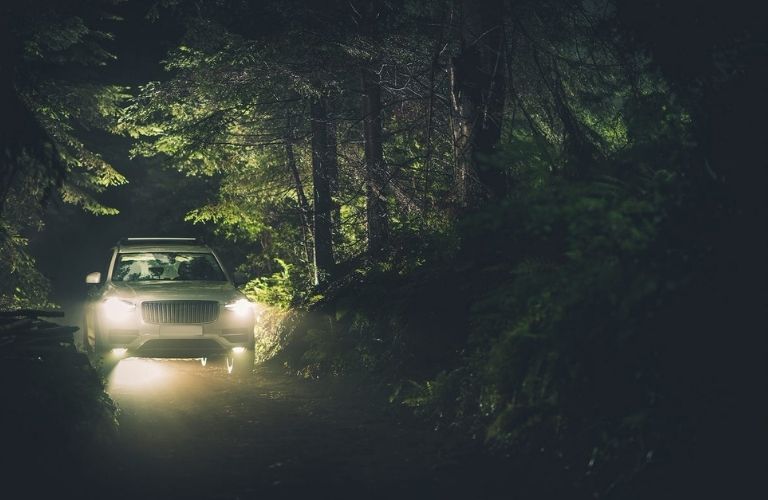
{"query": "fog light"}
{"type": "Point", "coordinates": [119, 351]}
{"type": "Point", "coordinates": [238, 350]}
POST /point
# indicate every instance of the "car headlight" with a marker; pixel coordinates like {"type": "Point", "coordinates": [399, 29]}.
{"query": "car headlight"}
{"type": "Point", "coordinates": [241, 307]}
{"type": "Point", "coordinates": [117, 307]}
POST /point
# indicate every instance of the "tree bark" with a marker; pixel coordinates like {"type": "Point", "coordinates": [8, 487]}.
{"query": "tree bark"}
{"type": "Point", "coordinates": [322, 223]}
{"type": "Point", "coordinates": [478, 89]}
{"type": "Point", "coordinates": [304, 209]}
{"type": "Point", "coordinates": [375, 170]}
{"type": "Point", "coordinates": [582, 154]}
{"type": "Point", "coordinates": [333, 176]}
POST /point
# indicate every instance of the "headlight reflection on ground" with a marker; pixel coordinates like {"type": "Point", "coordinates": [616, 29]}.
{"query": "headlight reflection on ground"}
{"type": "Point", "coordinates": [137, 373]}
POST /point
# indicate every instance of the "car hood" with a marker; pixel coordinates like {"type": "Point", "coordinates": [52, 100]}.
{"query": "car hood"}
{"type": "Point", "coordinates": [168, 290]}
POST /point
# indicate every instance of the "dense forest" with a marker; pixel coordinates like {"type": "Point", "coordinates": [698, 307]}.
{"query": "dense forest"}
{"type": "Point", "coordinates": [539, 224]}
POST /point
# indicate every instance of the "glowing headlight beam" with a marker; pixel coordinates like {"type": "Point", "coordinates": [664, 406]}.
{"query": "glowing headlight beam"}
{"type": "Point", "coordinates": [241, 307]}
{"type": "Point", "coordinates": [137, 374]}
{"type": "Point", "coordinates": [117, 307]}
{"type": "Point", "coordinates": [119, 351]}
{"type": "Point", "coordinates": [238, 350]}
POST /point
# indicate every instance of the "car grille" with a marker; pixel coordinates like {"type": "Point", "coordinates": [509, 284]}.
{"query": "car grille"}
{"type": "Point", "coordinates": [180, 311]}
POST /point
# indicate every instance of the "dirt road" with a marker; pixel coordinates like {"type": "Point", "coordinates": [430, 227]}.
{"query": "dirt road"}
{"type": "Point", "coordinates": [188, 431]}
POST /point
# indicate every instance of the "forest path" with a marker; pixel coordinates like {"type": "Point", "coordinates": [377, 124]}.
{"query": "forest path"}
{"type": "Point", "coordinates": [189, 431]}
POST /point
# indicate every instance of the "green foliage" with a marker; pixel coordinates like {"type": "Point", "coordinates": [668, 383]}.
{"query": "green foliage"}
{"type": "Point", "coordinates": [56, 46]}
{"type": "Point", "coordinates": [273, 331]}
{"type": "Point", "coordinates": [564, 337]}
{"type": "Point", "coordinates": [542, 331]}
{"type": "Point", "coordinates": [228, 113]}
{"type": "Point", "coordinates": [388, 319]}
{"type": "Point", "coordinates": [21, 283]}
{"type": "Point", "coordinates": [50, 99]}
{"type": "Point", "coordinates": [23, 286]}
{"type": "Point", "coordinates": [275, 290]}
{"type": "Point", "coordinates": [554, 318]}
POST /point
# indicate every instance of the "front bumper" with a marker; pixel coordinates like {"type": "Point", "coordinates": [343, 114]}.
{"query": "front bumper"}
{"type": "Point", "coordinates": [143, 339]}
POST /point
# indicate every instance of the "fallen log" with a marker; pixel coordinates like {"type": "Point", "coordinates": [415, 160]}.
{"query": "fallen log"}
{"type": "Point", "coordinates": [32, 313]}
{"type": "Point", "coordinates": [44, 343]}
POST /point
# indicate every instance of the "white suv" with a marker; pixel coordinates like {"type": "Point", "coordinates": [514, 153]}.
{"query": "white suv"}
{"type": "Point", "coordinates": [168, 298]}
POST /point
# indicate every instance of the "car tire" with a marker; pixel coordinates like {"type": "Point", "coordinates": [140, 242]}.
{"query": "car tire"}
{"type": "Point", "coordinates": [92, 342]}
{"type": "Point", "coordinates": [239, 365]}
{"type": "Point", "coordinates": [97, 346]}
{"type": "Point", "coordinates": [96, 350]}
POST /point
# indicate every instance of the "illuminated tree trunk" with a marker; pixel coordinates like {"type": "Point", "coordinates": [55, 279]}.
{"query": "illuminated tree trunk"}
{"type": "Point", "coordinates": [477, 82]}
{"type": "Point", "coordinates": [375, 170]}
{"type": "Point", "coordinates": [323, 206]}
{"type": "Point", "coordinates": [304, 209]}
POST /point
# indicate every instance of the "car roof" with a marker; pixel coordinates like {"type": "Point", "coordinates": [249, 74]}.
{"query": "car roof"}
{"type": "Point", "coordinates": [127, 245]}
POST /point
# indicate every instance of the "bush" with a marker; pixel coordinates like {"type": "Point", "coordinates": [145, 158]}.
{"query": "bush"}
{"type": "Point", "coordinates": [57, 418]}
{"type": "Point", "coordinates": [276, 290]}
{"type": "Point", "coordinates": [558, 334]}
{"type": "Point", "coordinates": [569, 352]}
{"type": "Point", "coordinates": [21, 283]}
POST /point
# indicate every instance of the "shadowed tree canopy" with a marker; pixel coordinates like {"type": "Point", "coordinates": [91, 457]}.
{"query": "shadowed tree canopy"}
{"type": "Point", "coordinates": [50, 98]}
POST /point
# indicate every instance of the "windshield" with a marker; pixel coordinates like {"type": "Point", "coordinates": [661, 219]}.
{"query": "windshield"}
{"type": "Point", "coordinates": [175, 266]}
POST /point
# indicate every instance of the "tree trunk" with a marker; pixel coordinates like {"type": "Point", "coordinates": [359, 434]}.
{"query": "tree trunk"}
{"type": "Point", "coordinates": [375, 170]}
{"type": "Point", "coordinates": [333, 177]}
{"type": "Point", "coordinates": [580, 151]}
{"type": "Point", "coordinates": [478, 91]}
{"type": "Point", "coordinates": [304, 210]}
{"type": "Point", "coordinates": [323, 239]}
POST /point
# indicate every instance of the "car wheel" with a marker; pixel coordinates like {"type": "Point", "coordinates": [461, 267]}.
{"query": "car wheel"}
{"type": "Point", "coordinates": [92, 341]}
{"type": "Point", "coordinates": [96, 350]}
{"type": "Point", "coordinates": [239, 364]}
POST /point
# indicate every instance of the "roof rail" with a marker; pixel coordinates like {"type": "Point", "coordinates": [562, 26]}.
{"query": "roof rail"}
{"type": "Point", "coordinates": [141, 241]}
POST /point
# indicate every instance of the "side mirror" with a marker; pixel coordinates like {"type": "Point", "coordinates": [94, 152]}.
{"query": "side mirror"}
{"type": "Point", "coordinates": [240, 278]}
{"type": "Point", "coordinates": [93, 278]}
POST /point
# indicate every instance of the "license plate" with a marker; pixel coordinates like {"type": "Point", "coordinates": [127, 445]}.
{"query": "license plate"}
{"type": "Point", "coordinates": [181, 330]}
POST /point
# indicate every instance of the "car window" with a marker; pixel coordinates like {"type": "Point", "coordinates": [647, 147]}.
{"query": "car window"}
{"type": "Point", "coordinates": [167, 266]}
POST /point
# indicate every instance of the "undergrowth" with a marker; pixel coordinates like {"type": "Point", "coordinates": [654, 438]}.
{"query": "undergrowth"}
{"type": "Point", "coordinates": [550, 333]}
